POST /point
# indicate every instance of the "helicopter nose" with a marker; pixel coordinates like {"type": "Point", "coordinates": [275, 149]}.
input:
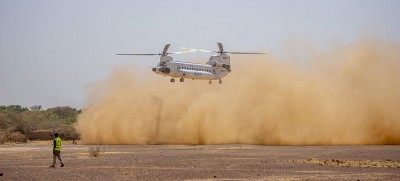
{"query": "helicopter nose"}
{"type": "Point", "coordinates": [154, 69]}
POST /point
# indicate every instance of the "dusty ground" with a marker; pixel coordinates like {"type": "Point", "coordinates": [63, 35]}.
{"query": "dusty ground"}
{"type": "Point", "coordinates": [181, 162]}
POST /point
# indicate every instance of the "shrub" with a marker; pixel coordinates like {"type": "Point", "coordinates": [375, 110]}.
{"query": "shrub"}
{"type": "Point", "coordinates": [94, 151]}
{"type": "Point", "coordinates": [12, 137]}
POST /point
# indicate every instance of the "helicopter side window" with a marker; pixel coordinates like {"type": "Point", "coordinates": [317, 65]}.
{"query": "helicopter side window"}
{"type": "Point", "coordinates": [162, 64]}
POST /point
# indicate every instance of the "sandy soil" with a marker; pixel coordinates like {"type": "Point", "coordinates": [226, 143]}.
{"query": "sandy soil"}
{"type": "Point", "coordinates": [184, 162]}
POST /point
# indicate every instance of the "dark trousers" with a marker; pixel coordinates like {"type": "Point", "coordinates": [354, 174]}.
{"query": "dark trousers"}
{"type": "Point", "coordinates": [57, 154]}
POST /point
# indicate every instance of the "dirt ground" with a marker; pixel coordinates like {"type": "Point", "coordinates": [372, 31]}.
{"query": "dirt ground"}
{"type": "Point", "coordinates": [212, 162]}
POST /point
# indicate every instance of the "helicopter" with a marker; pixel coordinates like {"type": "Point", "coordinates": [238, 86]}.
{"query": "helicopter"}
{"type": "Point", "coordinates": [217, 67]}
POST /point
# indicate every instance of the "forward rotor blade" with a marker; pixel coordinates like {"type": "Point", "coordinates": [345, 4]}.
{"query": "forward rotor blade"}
{"type": "Point", "coordinates": [166, 48]}
{"type": "Point", "coordinates": [139, 54]}
{"type": "Point", "coordinates": [167, 53]}
{"type": "Point", "coordinates": [244, 53]}
{"type": "Point", "coordinates": [178, 52]}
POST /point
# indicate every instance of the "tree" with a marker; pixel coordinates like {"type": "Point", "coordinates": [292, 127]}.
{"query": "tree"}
{"type": "Point", "coordinates": [20, 121]}
{"type": "Point", "coordinates": [62, 112]}
{"type": "Point", "coordinates": [9, 121]}
{"type": "Point", "coordinates": [31, 120]}
{"type": "Point", "coordinates": [36, 108]}
{"type": "Point", "coordinates": [14, 108]}
{"type": "Point", "coordinates": [5, 121]}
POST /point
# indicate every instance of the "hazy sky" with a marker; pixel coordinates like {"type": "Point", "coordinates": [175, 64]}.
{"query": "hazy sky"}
{"type": "Point", "coordinates": [51, 50]}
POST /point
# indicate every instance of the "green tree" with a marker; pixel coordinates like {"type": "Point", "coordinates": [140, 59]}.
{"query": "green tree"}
{"type": "Point", "coordinates": [62, 112]}
{"type": "Point", "coordinates": [14, 108]}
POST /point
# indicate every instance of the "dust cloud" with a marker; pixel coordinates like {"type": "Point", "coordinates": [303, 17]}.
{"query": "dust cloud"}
{"type": "Point", "coordinates": [349, 95]}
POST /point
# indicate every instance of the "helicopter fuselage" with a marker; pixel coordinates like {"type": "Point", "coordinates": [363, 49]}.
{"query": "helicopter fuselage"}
{"type": "Point", "coordinates": [177, 69]}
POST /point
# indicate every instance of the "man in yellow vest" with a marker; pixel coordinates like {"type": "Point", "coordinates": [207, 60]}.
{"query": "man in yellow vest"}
{"type": "Point", "coordinates": [57, 150]}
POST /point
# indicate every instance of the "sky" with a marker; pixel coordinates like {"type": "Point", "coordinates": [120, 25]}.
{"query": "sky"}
{"type": "Point", "coordinates": [50, 51]}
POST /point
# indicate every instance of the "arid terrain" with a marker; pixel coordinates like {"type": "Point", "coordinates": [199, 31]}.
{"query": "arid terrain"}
{"type": "Point", "coordinates": [186, 162]}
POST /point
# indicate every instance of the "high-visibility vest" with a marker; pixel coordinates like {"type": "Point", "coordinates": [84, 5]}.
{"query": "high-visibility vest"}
{"type": "Point", "coordinates": [58, 143]}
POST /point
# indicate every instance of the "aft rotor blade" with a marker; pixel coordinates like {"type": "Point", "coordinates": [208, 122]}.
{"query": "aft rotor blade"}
{"type": "Point", "coordinates": [139, 54]}
{"type": "Point", "coordinates": [220, 47]}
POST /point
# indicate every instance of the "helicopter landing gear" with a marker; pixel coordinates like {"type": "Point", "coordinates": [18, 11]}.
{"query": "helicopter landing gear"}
{"type": "Point", "coordinates": [172, 80]}
{"type": "Point", "coordinates": [210, 82]}
{"type": "Point", "coordinates": [182, 80]}
{"type": "Point", "coordinates": [220, 81]}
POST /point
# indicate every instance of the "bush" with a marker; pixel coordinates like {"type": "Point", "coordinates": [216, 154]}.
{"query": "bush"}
{"type": "Point", "coordinates": [13, 137]}
{"type": "Point", "coordinates": [94, 151]}
{"type": "Point", "coordinates": [68, 133]}
{"type": "Point", "coordinates": [2, 137]}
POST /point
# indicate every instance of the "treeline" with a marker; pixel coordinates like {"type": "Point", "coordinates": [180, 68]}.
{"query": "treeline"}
{"type": "Point", "coordinates": [18, 123]}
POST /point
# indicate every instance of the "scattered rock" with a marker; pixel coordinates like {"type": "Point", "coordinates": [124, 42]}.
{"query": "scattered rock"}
{"type": "Point", "coordinates": [1, 174]}
{"type": "Point", "coordinates": [215, 176]}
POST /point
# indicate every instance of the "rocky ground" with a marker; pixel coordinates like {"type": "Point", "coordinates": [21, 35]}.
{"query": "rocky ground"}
{"type": "Point", "coordinates": [214, 162]}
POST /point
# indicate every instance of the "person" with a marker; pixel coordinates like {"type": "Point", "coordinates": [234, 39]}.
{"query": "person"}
{"type": "Point", "coordinates": [57, 150]}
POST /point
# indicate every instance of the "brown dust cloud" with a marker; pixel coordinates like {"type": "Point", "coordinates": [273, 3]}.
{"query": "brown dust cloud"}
{"type": "Point", "coordinates": [349, 95]}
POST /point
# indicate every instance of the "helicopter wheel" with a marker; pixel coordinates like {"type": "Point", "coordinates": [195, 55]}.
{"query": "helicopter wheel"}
{"type": "Point", "coordinates": [172, 80]}
{"type": "Point", "coordinates": [210, 82]}
{"type": "Point", "coordinates": [182, 80]}
{"type": "Point", "coordinates": [220, 81]}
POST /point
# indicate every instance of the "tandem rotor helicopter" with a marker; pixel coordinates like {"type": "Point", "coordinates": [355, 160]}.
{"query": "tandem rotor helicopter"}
{"type": "Point", "coordinates": [217, 67]}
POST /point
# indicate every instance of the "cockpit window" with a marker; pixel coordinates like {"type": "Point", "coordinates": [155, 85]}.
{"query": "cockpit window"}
{"type": "Point", "coordinates": [162, 64]}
